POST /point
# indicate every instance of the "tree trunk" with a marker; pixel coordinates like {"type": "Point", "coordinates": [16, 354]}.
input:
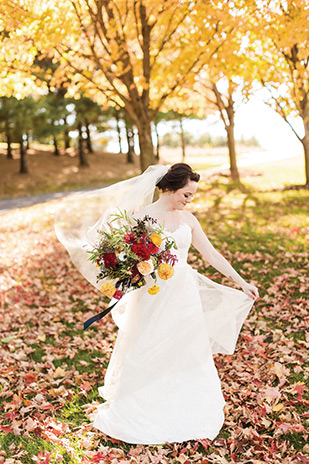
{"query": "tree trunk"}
{"type": "Point", "coordinates": [28, 142]}
{"type": "Point", "coordinates": [305, 142]}
{"type": "Point", "coordinates": [145, 143]}
{"type": "Point", "coordinates": [232, 151]}
{"type": "Point", "coordinates": [183, 142]}
{"type": "Point", "coordinates": [130, 141]}
{"type": "Point", "coordinates": [158, 142]}
{"type": "Point", "coordinates": [231, 138]}
{"type": "Point", "coordinates": [118, 132]}
{"type": "Point", "coordinates": [23, 158]}
{"type": "Point", "coordinates": [56, 149]}
{"type": "Point", "coordinates": [9, 154]}
{"type": "Point", "coordinates": [227, 114]}
{"type": "Point", "coordinates": [88, 139]}
{"type": "Point", "coordinates": [83, 162]}
{"type": "Point", "coordinates": [67, 140]}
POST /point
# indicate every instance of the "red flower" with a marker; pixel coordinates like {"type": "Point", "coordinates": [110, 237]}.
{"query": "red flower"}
{"type": "Point", "coordinates": [167, 257]}
{"type": "Point", "coordinates": [110, 260]}
{"type": "Point", "coordinates": [117, 294]}
{"type": "Point", "coordinates": [152, 248]}
{"type": "Point", "coordinates": [129, 238]}
{"type": "Point", "coordinates": [141, 251]}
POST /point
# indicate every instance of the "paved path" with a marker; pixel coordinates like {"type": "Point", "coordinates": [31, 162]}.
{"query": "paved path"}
{"type": "Point", "coordinates": [260, 157]}
{"type": "Point", "coordinates": [22, 202]}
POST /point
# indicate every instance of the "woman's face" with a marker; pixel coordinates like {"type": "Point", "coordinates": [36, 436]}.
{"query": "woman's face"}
{"type": "Point", "coordinates": [182, 196]}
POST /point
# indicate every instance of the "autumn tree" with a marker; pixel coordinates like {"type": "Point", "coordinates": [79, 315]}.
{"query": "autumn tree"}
{"type": "Point", "coordinates": [282, 62]}
{"type": "Point", "coordinates": [224, 95]}
{"type": "Point", "coordinates": [226, 80]}
{"type": "Point", "coordinates": [135, 54]}
{"type": "Point", "coordinates": [16, 50]}
{"type": "Point", "coordinates": [7, 113]}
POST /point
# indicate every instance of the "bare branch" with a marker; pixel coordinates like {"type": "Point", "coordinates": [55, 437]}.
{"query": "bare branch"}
{"type": "Point", "coordinates": [279, 108]}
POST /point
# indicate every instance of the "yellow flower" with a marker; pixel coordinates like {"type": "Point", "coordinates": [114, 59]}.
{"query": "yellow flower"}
{"type": "Point", "coordinates": [153, 290]}
{"type": "Point", "coordinates": [98, 265]}
{"type": "Point", "coordinates": [165, 271]}
{"type": "Point", "coordinates": [108, 289]}
{"type": "Point", "coordinates": [156, 239]}
{"type": "Point", "coordinates": [145, 267]}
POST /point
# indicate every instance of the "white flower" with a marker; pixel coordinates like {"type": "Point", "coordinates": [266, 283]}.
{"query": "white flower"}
{"type": "Point", "coordinates": [150, 261]}
{"type": "Point", "coordinates": [145, 267]}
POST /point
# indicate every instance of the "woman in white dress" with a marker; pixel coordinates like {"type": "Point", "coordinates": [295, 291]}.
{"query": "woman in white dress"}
{"type": "Point", "coordinates": [161, 384]}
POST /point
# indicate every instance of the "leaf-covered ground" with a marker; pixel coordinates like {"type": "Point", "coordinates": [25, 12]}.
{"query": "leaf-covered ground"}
{"type": "Point", "coordinates": [51, 369]}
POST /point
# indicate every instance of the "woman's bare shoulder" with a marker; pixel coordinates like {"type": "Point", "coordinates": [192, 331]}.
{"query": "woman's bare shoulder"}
{"type": "Point", "coordinates": [190, 219]}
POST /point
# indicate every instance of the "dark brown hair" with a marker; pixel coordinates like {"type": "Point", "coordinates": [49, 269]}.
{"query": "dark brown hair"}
{"type": "Point", "coordinates": [177, 177]}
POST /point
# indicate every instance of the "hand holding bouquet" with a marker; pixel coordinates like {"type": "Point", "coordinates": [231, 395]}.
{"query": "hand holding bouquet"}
{"type": "Point", "coordinates": [126, 255]}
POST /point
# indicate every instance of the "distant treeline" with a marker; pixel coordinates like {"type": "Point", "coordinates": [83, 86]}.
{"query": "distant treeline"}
{"type": "Point", "coordinates": [172, 140]}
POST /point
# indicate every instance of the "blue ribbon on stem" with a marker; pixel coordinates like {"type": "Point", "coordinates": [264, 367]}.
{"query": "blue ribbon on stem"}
{"type": "Point", "coordinates": [98, 316]}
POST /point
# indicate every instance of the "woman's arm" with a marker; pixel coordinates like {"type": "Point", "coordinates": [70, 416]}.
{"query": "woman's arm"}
{"type": "Point", "coordinates": [213, 257]}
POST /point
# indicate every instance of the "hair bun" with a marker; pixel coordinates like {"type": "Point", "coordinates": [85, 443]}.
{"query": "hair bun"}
{"type": "Point", "coordinates": [177, 177]}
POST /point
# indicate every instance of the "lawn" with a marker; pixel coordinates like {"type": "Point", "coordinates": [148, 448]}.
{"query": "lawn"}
{"type": "Point", "coordinates": [51, 368]}
{"type": "Point", "coordinates": [50, 173]}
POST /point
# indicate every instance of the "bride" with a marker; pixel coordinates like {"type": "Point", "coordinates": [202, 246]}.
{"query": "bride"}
{"type": "Point", "coordinates": [179, 186]}
{"type": "Point", "coordinates": [161, 384]}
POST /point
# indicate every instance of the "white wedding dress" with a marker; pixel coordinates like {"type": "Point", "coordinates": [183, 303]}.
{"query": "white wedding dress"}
{"type": "Point", "coordinates": [161, 384]}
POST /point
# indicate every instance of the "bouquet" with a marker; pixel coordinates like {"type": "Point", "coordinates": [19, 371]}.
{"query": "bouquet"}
{"type": "Point", "coordinates": [126, 255]}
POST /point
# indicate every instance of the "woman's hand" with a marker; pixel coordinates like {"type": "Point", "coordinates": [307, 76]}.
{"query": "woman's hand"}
{"type": "Point", "coordinates": [250, 290]}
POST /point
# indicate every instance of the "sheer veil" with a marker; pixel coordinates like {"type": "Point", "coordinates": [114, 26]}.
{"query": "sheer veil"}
{"type": "Point", "coordinates": [79, 216]}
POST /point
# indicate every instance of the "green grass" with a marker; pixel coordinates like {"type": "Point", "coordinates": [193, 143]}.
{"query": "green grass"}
{"type": "Point", "coordinates": [32, 446]}
{"type": "Point", "coordinates": [82, 355]}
